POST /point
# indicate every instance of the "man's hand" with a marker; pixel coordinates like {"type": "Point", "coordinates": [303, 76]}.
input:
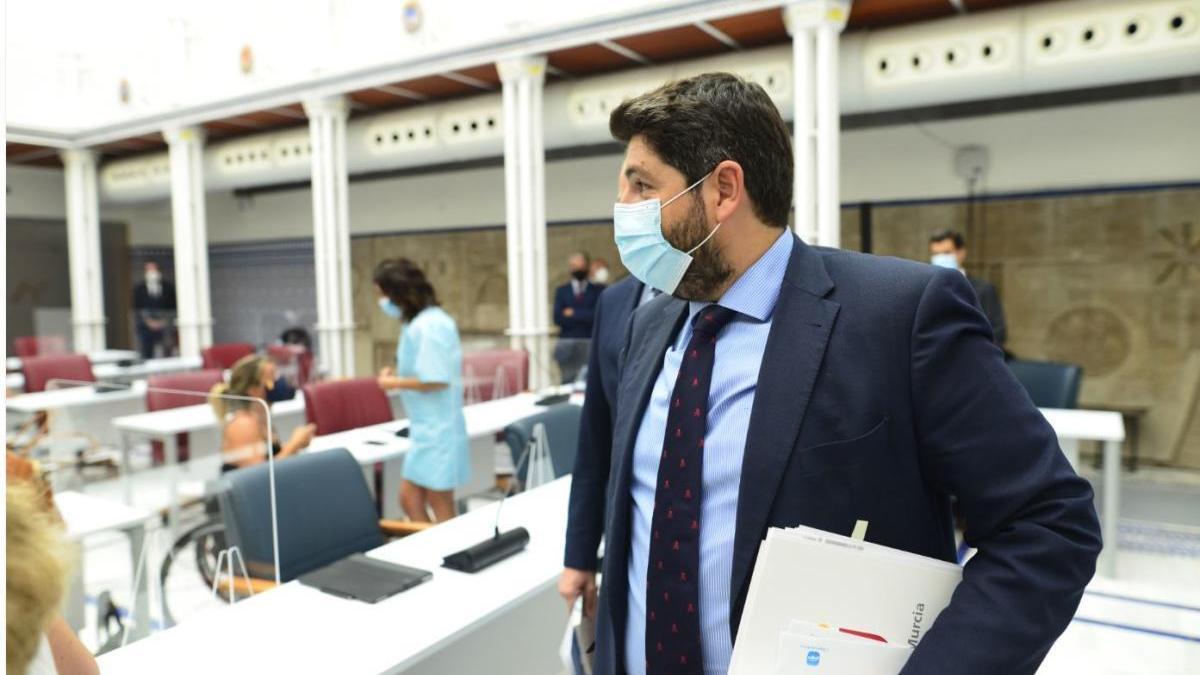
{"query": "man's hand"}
{"type": "Point", "coordinates": [574, 583]}
{"type": "Point", "coordinates": [568, 311]}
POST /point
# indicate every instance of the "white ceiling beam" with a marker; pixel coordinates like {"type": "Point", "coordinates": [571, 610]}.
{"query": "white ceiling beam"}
{"type": "Point", "coordinates": [402, 92]}
{"type": "Point", "coordinates": [469, 81]}
{"type": "Point", "coordinates": [541, 42]}
{"type": "Point", "coordinates": [624, 51]}
{"type": "Point", "coordinates": [718, 34]}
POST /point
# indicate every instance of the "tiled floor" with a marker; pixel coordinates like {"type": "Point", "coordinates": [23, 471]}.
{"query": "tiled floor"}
{"type": "Point", "coordinates": [1146, 621]}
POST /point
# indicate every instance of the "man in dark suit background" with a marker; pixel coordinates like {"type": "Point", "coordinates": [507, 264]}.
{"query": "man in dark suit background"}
{"type": "Point", "coordinates": [574, 307]}
{"type": "Point", "coordinates": [586, 521]}
{"type": "Point", "coordinates": [154, 307]}
{"type": "Point", "coordinates": [948, 249]}
{"type": "Point", "coordinates": [821, 387]}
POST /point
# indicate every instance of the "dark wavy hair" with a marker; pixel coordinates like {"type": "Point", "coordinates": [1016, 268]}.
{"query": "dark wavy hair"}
{"type": "Point", "coordinates": [405, 284]}
{"type": "Point", "coordinates": [696, 123]}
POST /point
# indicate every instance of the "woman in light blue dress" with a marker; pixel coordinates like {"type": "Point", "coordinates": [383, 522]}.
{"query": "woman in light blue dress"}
{"type": "Point", "coordinates": [428, 374]}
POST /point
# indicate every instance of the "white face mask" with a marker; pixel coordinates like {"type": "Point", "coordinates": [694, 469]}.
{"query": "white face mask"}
{"type": "Point", "coordinates": [600, 276]}
{"type": "Point", "coordinates": [947, 260]}
{"type": "Point", "coordinates": [153, 277]}
{"type": "Point", "coordinates": [645, 252]}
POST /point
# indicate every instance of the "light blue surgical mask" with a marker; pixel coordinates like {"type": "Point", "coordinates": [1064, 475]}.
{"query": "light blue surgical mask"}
{"type": "Point", "coordinates": [645, 252]}
{"type": "Point", "coordinates": [390, 308]}
{"type": "Point", "coordinates": [947, 260]}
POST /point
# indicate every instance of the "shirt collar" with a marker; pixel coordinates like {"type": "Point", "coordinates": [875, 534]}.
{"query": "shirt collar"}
{"type": "Point", "coordinates": [756, 291]}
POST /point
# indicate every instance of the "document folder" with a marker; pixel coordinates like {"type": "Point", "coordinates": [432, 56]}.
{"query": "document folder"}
{"type": "Point", "coordinates": [870, 597]}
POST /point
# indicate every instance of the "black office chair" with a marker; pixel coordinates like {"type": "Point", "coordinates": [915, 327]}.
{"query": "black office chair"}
{"type": "Point", "coordinates": [325, 513]}
{"type": "Point", "coordinates": [562, 433]}
{"type": "Point", "coordinates": [1050, 385]}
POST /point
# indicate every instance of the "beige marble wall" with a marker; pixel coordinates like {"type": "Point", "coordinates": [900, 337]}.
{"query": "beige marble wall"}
{"type": "Point", "coordinates": [1110, 281]}
{"type": "Point", "coordinates": [469, 271]}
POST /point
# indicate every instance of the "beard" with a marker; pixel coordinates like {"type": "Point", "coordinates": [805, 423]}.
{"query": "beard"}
{"type": "Point", "coordinates": [709, 270]}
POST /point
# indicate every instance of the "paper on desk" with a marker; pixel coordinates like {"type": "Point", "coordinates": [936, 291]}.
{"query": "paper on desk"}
{"type": "Point", "coordinates": [810, 575]}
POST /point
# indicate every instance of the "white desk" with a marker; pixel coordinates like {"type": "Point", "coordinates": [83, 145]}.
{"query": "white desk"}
{"type": "Point", "coordinates": [86, 515]}
{"type": "Point", "coordinates": [113, 372]}
{"type": "Point", "coordinates": [1107, 427]}
{"type": "Point", "coordinates": [86, 410]}
{"type": "Point", "coordinates": [137, 371]}
{"type": "Point", "coordinates": [97, 357]}
{"type": "Point", "coordinates": [505, 619]}
{"type": "Point", "coordinates": [379, 443]}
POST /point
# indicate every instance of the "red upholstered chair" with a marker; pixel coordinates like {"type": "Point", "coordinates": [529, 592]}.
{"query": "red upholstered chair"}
{"type": "Point", "coordinates": [42, 345]}
{"type": "Point", "coordinates": [494, 373]}
{"type": "Point", "coordinates": [42, 370]}
{"type": "Point", "coordinates": [200, 381]}
{"type": "Point", "coordinates": [223, 356]}
{"type": "Point", "coordinates": [346, 404]}
{"type": "Point", "coordinates": [293, 359]}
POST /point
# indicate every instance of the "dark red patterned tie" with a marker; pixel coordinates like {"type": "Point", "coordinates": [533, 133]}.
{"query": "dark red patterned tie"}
{"type": "Point", "coordinates": [672, 588]}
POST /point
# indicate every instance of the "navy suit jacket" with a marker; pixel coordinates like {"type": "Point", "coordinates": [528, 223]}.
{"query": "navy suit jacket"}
{"type": "Point", "coordinates": [586, 517]}
{"type": "Point", "coordinates": [881, 395]}
{"type": "Point", "coordinates": [579, 324]}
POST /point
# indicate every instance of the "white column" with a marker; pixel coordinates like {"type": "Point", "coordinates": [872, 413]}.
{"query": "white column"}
{"type": "Point", "coordinates": [815, 26]}
{"type": "Point", "coordinates": [525, 211]}
{"type": "Point", "coordinates": [190, 231]}
{"type": "Point", "coordinates": [83, 250]}
{"type": "Point", "coordinates": [331, 233]}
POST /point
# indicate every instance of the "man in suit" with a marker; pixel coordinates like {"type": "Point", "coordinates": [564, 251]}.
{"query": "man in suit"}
{"type": "Point", "coordinates": [154, 305]}
{"type": "Point", "coordinates": [777, 384]}
{"type": "Point", "coordinates": [948, 249]}
{"type": "Point", "coordinates": [586, 522]}
{"type": "Point", "coordinates": [574, 308]}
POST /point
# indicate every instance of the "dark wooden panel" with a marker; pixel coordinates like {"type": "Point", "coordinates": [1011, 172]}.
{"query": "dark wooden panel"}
{"type": "Point", "coordinates": [436, 86]}
{"type": "Point", "coordinates": [484, 73]}
{"type": "Point", "coordinates": [680, 42]}
{"type": "Point", "coordinates": [588, 59]}
{"type": "Point", "coordinates": [755, 29]}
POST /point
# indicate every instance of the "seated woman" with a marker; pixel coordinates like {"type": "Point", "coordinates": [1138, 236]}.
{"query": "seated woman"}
{"type": "Point", "coordinates": [244, 435]}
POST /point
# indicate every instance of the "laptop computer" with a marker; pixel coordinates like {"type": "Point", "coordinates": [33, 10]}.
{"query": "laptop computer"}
{"type": "Point", "coordinates": [361, 578]}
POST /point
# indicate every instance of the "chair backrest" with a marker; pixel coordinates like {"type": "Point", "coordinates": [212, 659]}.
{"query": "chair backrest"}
{"type": "Point", "coordinates": [41, 345]}
{"type": "Point", "coordinates": [223, 356]}
{"type": "Point", "coordinates": [40, 370]}
{"type": "Point", "coordinates": [292, 360]}
{"type": "Point", "coordinates": [346, 404]}
{"type": "Point", "coordinates": [325, 513]}
{"type": "Point", "coordinates": [198, 381]}
{"type": "Point", "coordinates": [562, 433]}
{"type": "Point", "coordinates": [1050, 385]}
{"type": "Point", "coordinates": [487, 371]}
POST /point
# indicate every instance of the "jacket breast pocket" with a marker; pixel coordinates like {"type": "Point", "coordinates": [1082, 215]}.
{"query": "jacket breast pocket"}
{"type": "Point", "coordinates": [843, 453]}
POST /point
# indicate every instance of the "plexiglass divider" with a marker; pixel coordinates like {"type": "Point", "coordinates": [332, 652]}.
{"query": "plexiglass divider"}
{"type": "Point", "coordinates": [145, 502]}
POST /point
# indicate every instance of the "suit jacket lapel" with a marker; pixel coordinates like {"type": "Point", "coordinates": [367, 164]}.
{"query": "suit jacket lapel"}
{"type": "Point", "coordinates": [665, 316]}
{"type": "Point", "coordinates": [800, 330]}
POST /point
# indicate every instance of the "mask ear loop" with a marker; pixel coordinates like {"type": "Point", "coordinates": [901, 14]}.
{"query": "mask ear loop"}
{"type": "Point", "coordinates": [686, 190]}
{"type": "Point", "coordinates": [710, 236]}
{"type": "Point", "coordinates": [689, 189]}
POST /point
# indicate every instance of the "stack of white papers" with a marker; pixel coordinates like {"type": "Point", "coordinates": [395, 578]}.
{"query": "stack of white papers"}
{"type": "Point", "coordinates": [821, 602]}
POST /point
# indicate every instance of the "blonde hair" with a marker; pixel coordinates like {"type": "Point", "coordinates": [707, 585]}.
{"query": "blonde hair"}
{"type": "Point", "coordinates": [243, 376]}
{"type": "Point", "coordinates": [36, 569]}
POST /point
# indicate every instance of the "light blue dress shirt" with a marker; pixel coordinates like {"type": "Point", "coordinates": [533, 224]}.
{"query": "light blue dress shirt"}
{"type": "Point", "coordinates": [429, 350]}
{"type": "Point", "coordinates": [740, 347]}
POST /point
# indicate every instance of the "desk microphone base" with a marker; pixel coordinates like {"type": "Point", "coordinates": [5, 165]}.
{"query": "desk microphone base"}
{"type": "Point", "coordinates": [489, 551]}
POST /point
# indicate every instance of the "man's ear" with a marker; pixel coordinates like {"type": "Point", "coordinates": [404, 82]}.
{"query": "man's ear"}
{"type": "Point", "coordinates": [730, 184]}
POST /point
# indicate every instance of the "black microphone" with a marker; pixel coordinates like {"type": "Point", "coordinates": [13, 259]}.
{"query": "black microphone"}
{"type": "Point", "coordinates": [498, 546]}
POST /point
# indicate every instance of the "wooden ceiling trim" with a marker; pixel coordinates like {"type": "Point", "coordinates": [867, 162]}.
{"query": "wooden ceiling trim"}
{"type": "Point", "coordinates": [587, 60]}
{"type": "Point", "coordinates": [673, 44]}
